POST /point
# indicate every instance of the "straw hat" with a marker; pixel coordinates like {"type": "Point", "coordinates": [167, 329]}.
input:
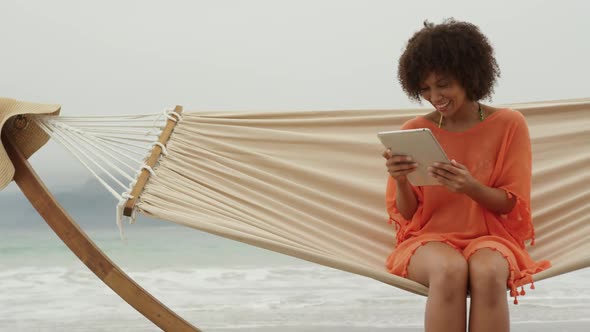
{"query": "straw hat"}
{"type": "Point", "coordinates": [27, 136]}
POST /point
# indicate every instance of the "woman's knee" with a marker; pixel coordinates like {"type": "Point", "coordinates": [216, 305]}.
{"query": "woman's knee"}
{"type": "Point", "coordinates": [448, 279]}
{"type": "Point", "coordinates": [488, 272]}
{"type": "Point", "coordinates": [441, 268]}
{"type": "Point", "coordinates": [450, 271]}
{"type": "Point", "coordinates": [437, 263]}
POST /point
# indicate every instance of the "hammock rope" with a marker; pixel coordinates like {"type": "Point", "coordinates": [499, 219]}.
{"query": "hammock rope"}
{"type": "Point", "coordinates": [114, 149]}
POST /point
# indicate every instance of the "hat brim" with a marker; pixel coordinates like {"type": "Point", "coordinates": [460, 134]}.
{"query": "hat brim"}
{"type": "Point", "coordinates": [26, 135]}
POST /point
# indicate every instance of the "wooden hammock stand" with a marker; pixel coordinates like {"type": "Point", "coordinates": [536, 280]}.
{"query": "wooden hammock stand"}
{"type": "Point", "coordinates": [86, 250]}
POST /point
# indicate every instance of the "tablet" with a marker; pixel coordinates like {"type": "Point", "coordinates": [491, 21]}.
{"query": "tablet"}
{"type": "Point", "coordinates": [419, 144]}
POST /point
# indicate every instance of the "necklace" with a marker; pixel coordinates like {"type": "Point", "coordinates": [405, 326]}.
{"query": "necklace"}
{"type": "Point", "coordinates": [479, 110]}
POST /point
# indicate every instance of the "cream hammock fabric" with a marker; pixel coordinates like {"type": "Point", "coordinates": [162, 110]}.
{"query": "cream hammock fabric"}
{"type": "Point", "coordinates": [311, 184]}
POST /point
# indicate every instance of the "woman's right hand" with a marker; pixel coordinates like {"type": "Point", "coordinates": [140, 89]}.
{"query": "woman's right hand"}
{"type": "Point", "coordinates": [399, 166]}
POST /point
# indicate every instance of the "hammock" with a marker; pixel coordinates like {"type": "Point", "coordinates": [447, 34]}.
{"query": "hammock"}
{"type": "Point", "coordinates": [311, 184]}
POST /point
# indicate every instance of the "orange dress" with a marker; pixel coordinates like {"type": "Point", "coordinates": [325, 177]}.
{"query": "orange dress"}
{"type": "Point", "coordinates": [497, 152]}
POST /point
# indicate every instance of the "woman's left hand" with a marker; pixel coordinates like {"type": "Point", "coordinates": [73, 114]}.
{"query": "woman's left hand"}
{"type": "Point", "coordinates": [454, 176]}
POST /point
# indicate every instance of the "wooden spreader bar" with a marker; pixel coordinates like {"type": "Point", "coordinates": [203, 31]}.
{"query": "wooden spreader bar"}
{"type": "Point", "coordinates": [151, 162]}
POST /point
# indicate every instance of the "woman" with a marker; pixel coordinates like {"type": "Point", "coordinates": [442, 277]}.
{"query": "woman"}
{"type": "Point", "coordinates": [466, 235]}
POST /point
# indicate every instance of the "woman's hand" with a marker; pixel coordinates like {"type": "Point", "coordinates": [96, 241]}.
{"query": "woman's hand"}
{"type": "Point", "coordinates": [399, 166]}
{"type": "Point", "coordinates": [454, 176]}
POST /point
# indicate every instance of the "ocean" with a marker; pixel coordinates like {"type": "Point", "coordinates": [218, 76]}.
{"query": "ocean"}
{"type": "Point", "coordinates": [223, 285]}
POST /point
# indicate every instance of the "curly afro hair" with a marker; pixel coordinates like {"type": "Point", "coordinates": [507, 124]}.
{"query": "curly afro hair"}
{"type": "Point", "coordinates": [454, 48]}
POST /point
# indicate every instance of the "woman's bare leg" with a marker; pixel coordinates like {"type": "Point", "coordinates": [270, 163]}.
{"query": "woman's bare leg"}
{"type": "Point", "coordinates": [445, 271]}
{"type": "Point", "coordinates": [488, 273]}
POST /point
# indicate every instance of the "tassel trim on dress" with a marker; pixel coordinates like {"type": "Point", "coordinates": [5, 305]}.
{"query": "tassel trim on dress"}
{"type": "Point", "coordinates": [518, 222]}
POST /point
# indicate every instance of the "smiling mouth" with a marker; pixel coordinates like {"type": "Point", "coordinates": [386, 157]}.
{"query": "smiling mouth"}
{"type": "Point", "coordinates": [442, 107]}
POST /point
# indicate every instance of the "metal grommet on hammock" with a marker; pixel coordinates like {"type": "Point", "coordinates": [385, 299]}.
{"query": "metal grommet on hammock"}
{"type": "Point", "coordinates": [20, 122]}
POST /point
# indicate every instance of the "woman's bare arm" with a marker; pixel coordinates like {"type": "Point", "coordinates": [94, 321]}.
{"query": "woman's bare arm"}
{"type": "Point", "coordinates": [406, 199]}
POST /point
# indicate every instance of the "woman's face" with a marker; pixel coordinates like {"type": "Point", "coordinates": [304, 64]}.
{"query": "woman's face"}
{"type": "Point", "coordinates": [444, 93]}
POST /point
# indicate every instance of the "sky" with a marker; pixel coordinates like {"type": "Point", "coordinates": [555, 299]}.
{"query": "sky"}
{"type": "Point", "coordinates": [128, 57]}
